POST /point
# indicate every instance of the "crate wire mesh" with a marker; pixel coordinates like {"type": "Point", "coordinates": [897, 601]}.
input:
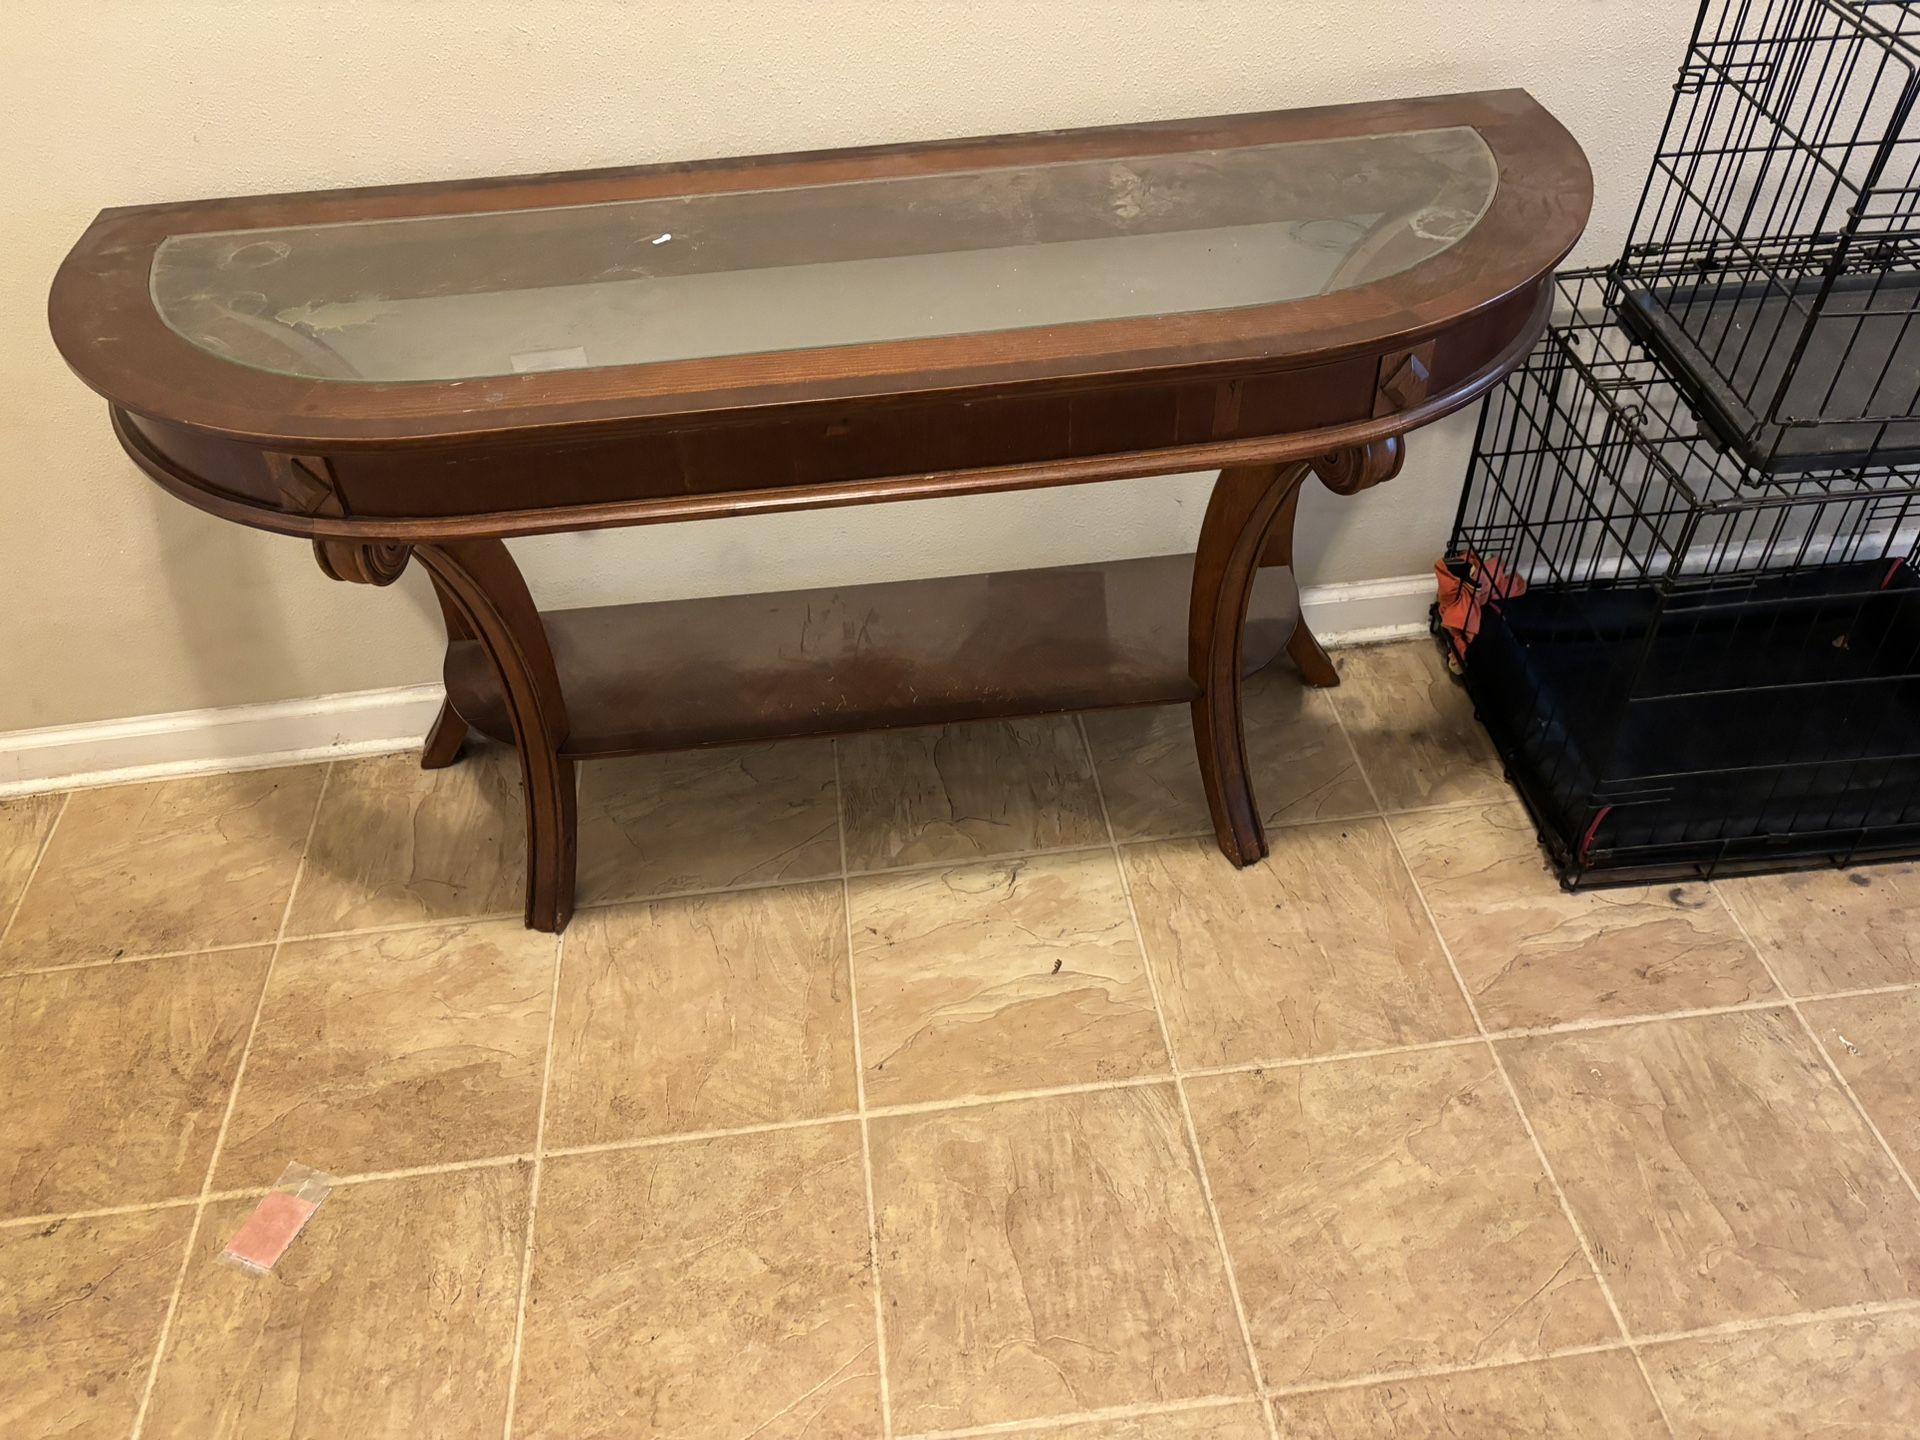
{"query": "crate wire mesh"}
{"type": "Point", "coordinates": [1687, 667]}
{"type": "Point", "coordinates": [1774, 260]}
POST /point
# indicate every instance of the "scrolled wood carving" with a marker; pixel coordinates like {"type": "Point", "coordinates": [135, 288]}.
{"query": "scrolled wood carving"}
{"type": "Point", "coordinates": [362, 562]}
{"type": "Point", "coordinates": [1360, 467]}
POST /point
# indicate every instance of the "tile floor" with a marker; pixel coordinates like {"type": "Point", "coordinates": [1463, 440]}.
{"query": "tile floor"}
{"type": "Point", "coordinates": [948, 1083]}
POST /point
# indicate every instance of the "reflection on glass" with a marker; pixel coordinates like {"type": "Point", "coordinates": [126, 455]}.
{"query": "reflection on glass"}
{"type": "Point", "coordinates": [744, 272]}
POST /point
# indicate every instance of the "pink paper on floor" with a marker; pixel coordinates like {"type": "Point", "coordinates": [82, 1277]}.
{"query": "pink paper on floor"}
{"type": "Point", "coordinates": [281, 1214]}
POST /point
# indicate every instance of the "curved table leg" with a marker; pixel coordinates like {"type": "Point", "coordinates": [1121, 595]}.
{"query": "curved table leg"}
{"type": "Point", "coordinates": [1246, 500]}
{"type": "Point", "coordinates": [449, 730]}
{"type": "Point", "coordinates": [444, 738]}
{"type": "Point", "coordinates": [1303, 647]}
{"type": "Point", "coordinates": [480, 582]}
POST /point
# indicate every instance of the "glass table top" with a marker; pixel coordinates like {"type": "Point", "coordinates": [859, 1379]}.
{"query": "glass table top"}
{"type": "Point", "coordinates": [628, 282]}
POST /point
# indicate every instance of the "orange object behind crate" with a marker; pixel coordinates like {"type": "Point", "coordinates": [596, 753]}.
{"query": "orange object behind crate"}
{"type": "Point", "coordinates": [1485, 582]}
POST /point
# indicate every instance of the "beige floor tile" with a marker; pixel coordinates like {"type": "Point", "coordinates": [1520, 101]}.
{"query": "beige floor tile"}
{"type": "Point", "coordinates": [1875, 1042]}
{"type": "Point", "coordinates": [1412, 726]}
{"type": "Point", "coordinates": [1833, 929]}
{"type": "Point", "coordinates": [395, 844]}
{"type": "Point", "coordinates": [391, 1316]}
{"type": "Point", "coordinates": [170, 865]}
{"type": "Point", "coordinates": [1020, 975]}
{"type": "Point", "coordinates": [1718, 1169]}
{"type": "Point", "coordinates": [1390, 1214]}
{"type": "Point", "coordinates": [1240, 1421]}
{"type": "Point", "coordinates": [113, 1079]}
{"type": "Point", "coordinates": [1302, 766]}
{"type": "Point", "coordinates": [716, 1287]}
{"type": "Point", "coordinates": [1843, 1377]}
{"type": "Point", "coordinates": [707, 819]}
{"type": "Point", "coordinates": [960, 792]}
{"type": "Point", "coordinates": [1045, 1257]}
{"type": "Point", "coordinates": [1323, 948]}
{"type": "Point", "coordinates": [80, 1311]}
{"type": "Point", "coordinates": [390, 1050]}
{"type": "Point", "coordinates": [1533, 954]}
{"type": "Point", "coordinates": [703, 1013]}
{"type": "Point", "coordinates": [24, 824]}
{"type": "Point", "coordinates": [1577, 1397]}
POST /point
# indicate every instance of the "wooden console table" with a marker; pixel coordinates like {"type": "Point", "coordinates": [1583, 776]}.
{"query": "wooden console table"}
{"type": "Point", "coordinates": [429, 370]}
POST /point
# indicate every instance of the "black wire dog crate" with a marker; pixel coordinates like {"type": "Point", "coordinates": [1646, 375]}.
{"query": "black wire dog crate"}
{"type": "Point", "coordinates": [1685, 668]}
{"type": "Point", "coordinates": [1774, 262]}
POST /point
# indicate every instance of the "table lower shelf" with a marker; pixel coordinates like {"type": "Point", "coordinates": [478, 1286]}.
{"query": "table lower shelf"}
{"type": "Point", "coordinates": [677, 674]}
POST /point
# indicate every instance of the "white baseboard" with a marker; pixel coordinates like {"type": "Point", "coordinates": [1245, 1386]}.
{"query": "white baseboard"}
{"type": "Point", "coordinates": [1368, 612]}
{"type": "Point", "coordinates": [234, 737]}
{"type": "Point", "coordinates": [373, 722]}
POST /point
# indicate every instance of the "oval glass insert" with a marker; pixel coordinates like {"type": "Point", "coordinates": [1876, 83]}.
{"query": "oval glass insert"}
{"type": "Point", "coordinates": [450, 297]}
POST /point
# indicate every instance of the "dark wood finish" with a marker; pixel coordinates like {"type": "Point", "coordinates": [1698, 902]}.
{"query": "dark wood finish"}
{"type": "Point", "coordinates": [362, 563]}
{"type": "Point", "coordinates": [446, 738]}
{"type": "Point", "coordinates": [1361, 467]}
{"type": "Point", "coordinates": [448, 733]}
{"type": "Point", "coordinates": [1241, 511]}
{"type": "Point", "coordinates": [481, 581]}
{"type": "Point", "coordinates": [374, 473]}
{"type": "Point", "coordinates": [575, 488]}
{"type": "Point", "coordinates": [1308, 655]}
{"type": "Point", "coordinates": [102, 290]}
{"type": "Point", "coordinates": [868, 657]}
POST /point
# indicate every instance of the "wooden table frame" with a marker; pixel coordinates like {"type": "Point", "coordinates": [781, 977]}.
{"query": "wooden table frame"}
{"type": "Point", "coordinates": [375, 474]}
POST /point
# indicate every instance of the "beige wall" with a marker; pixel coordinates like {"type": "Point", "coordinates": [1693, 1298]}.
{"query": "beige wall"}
{"type": "Point", "coordinates": [117, 601]}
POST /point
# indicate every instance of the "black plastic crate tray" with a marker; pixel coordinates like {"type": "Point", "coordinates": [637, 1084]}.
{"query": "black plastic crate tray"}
{"type": "Point", "coordinates": [1744, 723]}
{"type": "Point", "coordinates": [1729, 344]}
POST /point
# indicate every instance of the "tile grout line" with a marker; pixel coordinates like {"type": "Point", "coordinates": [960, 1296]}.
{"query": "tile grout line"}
{"type": "Point", "coordinates": [1447, 807]}
{"type": "Point", "coordinates": [97, 1212]}
{"type": "Point", "coordinates": [1437, 1372]}
{"type": "Point", "coordinates": [1539, 1150]}
{"type": "Point", "coordinates": [533, 1192]}
{"type": "Point", "coordinates": [1791, 1321]}
{"type": "Point", "coordinates": [995, 857]}
{"type": "Point", "coordinates": [403, 1172]}
{"type": "Point", "coordinates": [33, 871]}
{"type": "Point", "coordinates": [1011, 1097]}
{"type": "Point", "coordinates": [224, 948]}
{"type": "Point", "coordinates": [1272, 1062]}
{"type": "Point", "coordinates": [254, 1192]}
{"type": "Point", "coordinates": [1147, 1409]}
{"type": "Point", "coordinates": [692, 1137]}
{"type": "Point", "coordinates": [1180, 1091]}
{"type": "Point", "coordinates": [401, 927]}
{"type": "Point", "coordinates": [1301, 1062]}
{"type": "Point", "coordinates": [1806, 1025]}
{"type": "Point", "coordinates": [860, 1101]}
{"type": "Point", "coordinates": [226, 1119]}
{"type": "Point", "coordinates": [1813, 997]}
{"type": "Point", "coordinates": [1622, 1022]}
{"type": "Point", "coordinates": [1513, 1096]}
